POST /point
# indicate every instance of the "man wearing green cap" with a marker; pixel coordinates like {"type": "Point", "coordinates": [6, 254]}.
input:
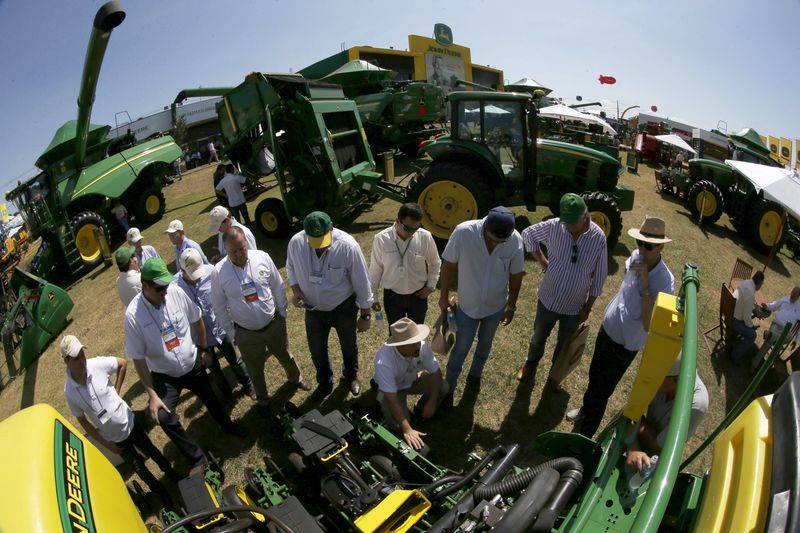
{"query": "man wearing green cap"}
{"type": "Point", "coordinates": [129, 282]}
{"type": "Point", "coordinates": [329, 279]}
{"type": "Point", "coordinates": [158, 324]}
{"type": "Point", "coordinates": [575, 270]}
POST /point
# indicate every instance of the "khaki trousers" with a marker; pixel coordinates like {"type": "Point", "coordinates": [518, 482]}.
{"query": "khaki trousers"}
{"type": "Point", "coordinates": [420, 386]}
{"type": "Point", "coordinates": [256, 347]}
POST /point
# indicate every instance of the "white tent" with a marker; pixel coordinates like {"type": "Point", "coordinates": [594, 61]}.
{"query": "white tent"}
{"type": "Point", "coordinates": [779, 184]}
{"type": "Point", "coordinates": [674, 140]}
{"type": "Point", "coordinates": [489, 110]}
{"type": "Point", "coordinates": [563, 112]}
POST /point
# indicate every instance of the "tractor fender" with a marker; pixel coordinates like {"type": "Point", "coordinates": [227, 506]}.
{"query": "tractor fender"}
{"type": "Point", "coordinates": [474, 154]}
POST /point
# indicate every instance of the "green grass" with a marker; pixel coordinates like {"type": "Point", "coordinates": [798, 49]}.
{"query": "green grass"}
{"type": "Point", "coordinates": [500, 412]}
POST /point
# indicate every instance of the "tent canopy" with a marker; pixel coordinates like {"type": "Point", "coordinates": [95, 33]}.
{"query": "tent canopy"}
{"type": "Point", "coordinates": [562, 112]}
{"type": "Point", "coordinates": [779, 184]}
{"type": "Point", "coordinates": [674, 140]}
{"type": "Point", "coordinates": [528, 85]}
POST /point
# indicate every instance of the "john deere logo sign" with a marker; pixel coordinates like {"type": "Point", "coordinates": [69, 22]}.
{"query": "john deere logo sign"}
{"type": "Point", "coordinates": [443, 34]}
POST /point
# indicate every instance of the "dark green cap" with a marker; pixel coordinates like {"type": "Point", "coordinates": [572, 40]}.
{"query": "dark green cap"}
{"type": "Point", "coordinates": [155, 270]}
{"type": "Point", "coordinates": [571, 208]}
{"type": "Point", "coordinates": [123, 255]}
{"type": "Point", "coordinates": [317, 226]}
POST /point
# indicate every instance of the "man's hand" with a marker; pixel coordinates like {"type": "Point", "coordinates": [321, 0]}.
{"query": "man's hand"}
{"type": "Point", "coordinates": [424, 292]}
{"type": "Point", "coordinates": [215, 259]}
{"type": "Point", "coordinates": [508, 316]}
{"type": "Point", "coordinates": [543, 262]}
{"type": "Point", "coordinates": [205, 357]}
{"type": "Point", "coordinates": [640, 269]}
{"type": "Point", "coordinates": [376, 306]}
{"type": "Point", "coordinates": [362, 325]}
{"type": "Point", "coordinates": [155, 405]}
{"type": "Point", "coordinates": [444, 302]}
{"type": "Point", "coordinates": [414, 438]}
{"type": "Point", "coordinates": [297, 297]}
{"type": "Point", "coordinates": [583, 315]}
{"type": "Point", "coordinates": [638, 460]}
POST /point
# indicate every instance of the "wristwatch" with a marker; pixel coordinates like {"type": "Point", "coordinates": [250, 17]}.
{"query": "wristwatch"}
{"type": "Point", "coordinates": [365, 317]}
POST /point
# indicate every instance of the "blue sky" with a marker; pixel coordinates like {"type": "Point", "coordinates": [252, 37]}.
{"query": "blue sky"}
{"type": "Point", "coordinates": [702, 61]}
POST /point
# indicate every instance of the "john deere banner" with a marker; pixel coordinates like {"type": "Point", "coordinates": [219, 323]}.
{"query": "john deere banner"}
{"type": "Point", "coordinates": [797, 156]}
{"type": "Point", "coordinates": [786, 151]}
{"type": "Point", "coordinates": [763, 141]}
{"type": "Point", "coordinates": [774, 143]}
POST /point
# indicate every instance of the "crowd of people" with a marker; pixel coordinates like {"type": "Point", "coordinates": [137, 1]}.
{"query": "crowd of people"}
{"type": "Point", "coordinates": [177, 326]}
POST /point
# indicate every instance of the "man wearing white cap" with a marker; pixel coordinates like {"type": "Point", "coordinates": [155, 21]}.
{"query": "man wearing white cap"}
{"type": "Point", "coordinates": [250, 303]}
{"type": "Point", "coordinates": [221, 220]}
{"type": "Point", "coordinates": [104, 415]}
{"type": "Point", "coordinates": [143, 251]}
{"type": "Point", "coordinates": [181, 242]}
{"type": "Point", "coordinates": [195, 280]}
{"type": "Point", "coordinates": [406, 365]}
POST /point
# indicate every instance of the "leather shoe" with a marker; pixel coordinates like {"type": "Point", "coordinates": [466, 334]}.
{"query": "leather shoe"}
{"type": "Point", "coordinates": [575, 415]}
{"type": "Point", "coordinates": [524, 372]}
{"type": "Point", "coordinates": [251, 392]}
{"type": "Point", "coordinates": [355, 387]}
{"type": "Point", "coordinates": [321, 392]}
{"type": "Point", "coordinates": [303, 384]}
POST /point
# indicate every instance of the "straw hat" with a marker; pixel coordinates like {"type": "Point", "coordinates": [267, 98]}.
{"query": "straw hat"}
{"type": "Point", "coordinates": [652, 230]}
{"type": "Point", "coordinates": [406, 331]}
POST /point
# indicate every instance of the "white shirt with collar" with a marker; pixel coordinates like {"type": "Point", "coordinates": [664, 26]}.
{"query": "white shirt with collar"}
{"type": "Point", "coordinates": [248, 236]}
{"type": "Point", "coordinates": [99, 401]}
{"type": "Point", "coordinates": [129, 284]}
{"type": "Point", "coordinates": [787, 312]}
{"type": "Point", "coordinates": [232, 183]}
{"type": "Point", "coordinates": [340, 271]}
{"type": "Point", "coordinates": [395, 373]}
{"type": "Point", "coordinates": [403, 266]}
{"type": "Point", "coordinates": [483, 277]}
{"type": "Point", "coordinates": [144, 325]}
{"type": "Point", "coordinates": [745, 295]}
{"type": "Point", "coordinates": [228, 298]}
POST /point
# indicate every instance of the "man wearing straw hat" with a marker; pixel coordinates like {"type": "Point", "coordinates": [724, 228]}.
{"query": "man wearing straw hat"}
{"type": "Point", "coordinates": [626, 321]}
{"type": "Point", "coordinates": [406, 365]}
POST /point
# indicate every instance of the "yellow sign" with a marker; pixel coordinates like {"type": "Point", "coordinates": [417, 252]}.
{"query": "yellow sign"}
{"type": "Point", "coordinates": [774, 143]}
{"type": "Point", "coordinates": [786, 151]}
{"type": "Point", "coordinates": [763, 141]}
{"type": "Point", "coordinates": [4, 213]}
{"type": "Point", "coordinates": [797, 159]}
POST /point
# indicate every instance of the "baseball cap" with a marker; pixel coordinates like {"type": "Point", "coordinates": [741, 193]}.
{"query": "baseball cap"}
{"type": "Point", "coordinates": [70, 346]}
{"type": "Point", "coordinates": [134, 235]}
{"type": "Point", "coordinates": [175, 225]}
{"type": "Point", "coordinates": [571, 207]}
{"type": "Point", "coordinates": [155, 270]}
{"type": "Point", "coordinates": [217, 216]}
{"type": "Point", "coordinates": [317, 226]}
{"type": "Point", "coordinates": [500, 221]}
{"type": "Point", "coordinates": [192, 264]}
{"type": "Point", "coordinates": [123, 255]}
{"type": "Point", "coordinates": [675, 369]}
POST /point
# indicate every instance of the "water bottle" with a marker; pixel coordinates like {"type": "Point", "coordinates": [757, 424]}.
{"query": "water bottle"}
{"type": "Point", "coordinates": [451, 320]}
{"type": "Point", "coordinates": [379, 316]}
{"type": "Point", "coordinates": [636, 480]}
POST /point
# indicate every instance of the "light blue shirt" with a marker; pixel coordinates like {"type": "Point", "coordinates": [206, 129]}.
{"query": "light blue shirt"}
{"type": "Point", "coordinates": [147, 252]}
{"type": "Point", "coordinates": [187, 243]}
{"type": "Point", "coordinates": [200, 293]}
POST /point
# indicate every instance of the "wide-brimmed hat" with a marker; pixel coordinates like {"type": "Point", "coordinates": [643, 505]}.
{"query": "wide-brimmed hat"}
{"type": "Point", "coordinates": [155, 270]}
{"type": "Point", "coordinates": [406, 331]}
{"type": "Point", "coordinates": [652, 230]}
{"type": "Point", "coordinates": [134, 235]}
{"type": "Point", "coordinates": [175, 225]}
{"type": "Point", "coordinates": [218, 216]}
{"type": "Point", "coordinates": [318, 226]}
{"type": "Point", "coordinates": [70, 346]}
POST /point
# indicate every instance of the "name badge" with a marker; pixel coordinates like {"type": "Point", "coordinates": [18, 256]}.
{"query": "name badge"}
{"type": "Point", "coordinates": [249, 292]}
{"type": "Point", "coordinates": [103, 416]}
{"type": "Point", "coordinates": [171, 340]}
{"type": "Point", "coordinates": [315, 278]}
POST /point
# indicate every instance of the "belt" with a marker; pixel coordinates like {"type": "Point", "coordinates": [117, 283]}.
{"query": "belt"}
{"type": "Point", "coordinates": [255, 330]}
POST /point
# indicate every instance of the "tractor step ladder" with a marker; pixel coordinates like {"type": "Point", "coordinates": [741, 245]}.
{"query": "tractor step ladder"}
{"type": "Point", "coordinates": [73, 256]}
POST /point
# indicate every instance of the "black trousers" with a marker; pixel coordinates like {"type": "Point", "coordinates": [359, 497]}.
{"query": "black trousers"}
{"type": "Point", "coordinates": [398, 306]}
{"type": "Point", "coordinates": [609, 363]}
{"type": "Point", "coordinates": [169, 390]}
{"type": "Point", "coordinates": [343, 318]}
{"type": "Point", "coordinates": [137, 448]}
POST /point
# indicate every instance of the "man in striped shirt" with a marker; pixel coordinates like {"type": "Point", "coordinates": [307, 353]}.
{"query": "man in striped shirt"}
{"type": "Point", "coordinates": [575, 270]}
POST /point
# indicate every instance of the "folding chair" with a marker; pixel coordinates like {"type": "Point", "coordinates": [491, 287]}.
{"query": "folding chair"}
{"type": "Point", "coordinates": [741, 270]}
{"type": "Point", "coordinates": [727, 304]}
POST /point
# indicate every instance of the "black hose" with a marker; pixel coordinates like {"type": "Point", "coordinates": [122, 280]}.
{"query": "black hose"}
{"type": "Point", "coordinates": [268, 514]}
{"type": "Point", "coordinates": [527, 506]}
{"type": "Point", "coordinates": [429, 488]}
{"type": "Point", "coordinates": [469, 476]}
{"type": "Point", "coordinates": [517, 482]}
{"type": "Point", "coordinates": [567, 485]}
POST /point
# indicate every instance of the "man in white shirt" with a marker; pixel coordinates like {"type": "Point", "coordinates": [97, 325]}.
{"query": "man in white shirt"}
{"type": "Point", "coordinates": [745, 295]}
{"type": "Point", "coordinates": [143, 251]}
{"type": "Point", "coordinates": [221, 220]}
{"type": "Point", "coordinates": [406, 262]}
{"type": "Point", "coordinates": [159, 340]}
{"type": "Point", "coordinates": [329, 279]}
{"type": "Point", "coordinates": [250, 303]}
{"type": "Point", "coordinates": [230, 186]}
{"type": "Point", "coordinates": [489, 259]}
{"type": "Point", "coordinates": [787, 311]}
{"type": "Point", "coordinates": [181, 242]}
{"type": "Point", "coordinates": [129, 282]}
{"type": "Point", "coordinates": [104, 415]}
{"type": "Point", "coordinates": [212, 153]}
{"type": "Point", "coordinates": [406, 365]}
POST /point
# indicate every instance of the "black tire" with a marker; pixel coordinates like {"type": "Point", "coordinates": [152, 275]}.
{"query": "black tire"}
{"type": "Point", "coordinates": [765, 218]}
{"type": "Point", "coordinates": [386, 467]}
{"type": "Point", "coordinates": [606, 214]}
{"type": "Point", "coordinates": [465, 195]}
{"type": "Point", "coordinates": [271, 218]}
{"type": "Point", "coordinates": [705, 195]}
{"type": "Point", "coordinates": [253, 483]}
{"type": "Point", "coordinates": [83, 226]}
{"type": "Point", "coordinates": [149, 206]}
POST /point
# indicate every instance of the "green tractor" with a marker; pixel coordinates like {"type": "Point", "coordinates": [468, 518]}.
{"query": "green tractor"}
{"type": "Point", "coordinates": [84, 172]}
{"type": "Point", "coordinates": [493, 156]}
{"type": "Point", "coordinates": [713, 188]}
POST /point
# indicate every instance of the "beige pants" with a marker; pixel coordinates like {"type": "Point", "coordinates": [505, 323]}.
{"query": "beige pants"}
{"type": "Point", "coordinates": [420, 386]}
{"type": "Point", "coordinates": [256, 346]}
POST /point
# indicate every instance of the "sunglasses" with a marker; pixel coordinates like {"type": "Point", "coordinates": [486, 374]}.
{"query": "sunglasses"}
{"type": "Point", "coordinates": [158, 288]}
{"type": "Point", "coordinates": [408, 229]}
{"type": "Point", "coordinates": [574, 253]}
{"type": "Point", "coordinates": [646, 245]}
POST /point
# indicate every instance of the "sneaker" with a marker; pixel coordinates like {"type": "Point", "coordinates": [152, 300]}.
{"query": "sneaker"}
{"type": "Point", "coordinates": [321, 392]}
{"type": "Point", "coordinates": [575, 415]}
{"type": "Point", "coordinates": [302, 384]}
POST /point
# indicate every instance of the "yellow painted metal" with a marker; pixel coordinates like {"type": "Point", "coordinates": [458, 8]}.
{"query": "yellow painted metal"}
{"type": "Point", "coordinates": [663, 346]}
{"type": "Point", "coordinates": [445, 204]}
{"type": "Point", "coordinates": [151, 204]}
{"type": "Point", "coordinates": [56, 480]}
{"type": "Point", "coordinates": [397, 513]}
{"type": "Point", "coordinates": [335, 452]}
{"type": "Point", "coordinates": [247, 500]}
{"type": "Point", "coordinates": [706, 203]}
{"type": "Point", "coordinates": [86, 241]}
{"type": "Point", "coordinates": [213, 519]}
{"type": "Point", "coordinates": [770, 226]}
{"type": "Point", "coordinates": [601, 220]}
{"type": "Point", "coordinates": [736, 492]}
{"type": "Point", "coordinates": [269, 221]}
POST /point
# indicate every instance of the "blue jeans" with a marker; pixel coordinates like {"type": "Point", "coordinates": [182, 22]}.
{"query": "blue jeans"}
{"type": "Point", "coordinates": [467, 327]}
{"type": "Point", "coordinates": [748, 335]}
{"type": "Point", "coordinates": [343, 319]}
{"type": "Point", "coordinates": [542, 326]}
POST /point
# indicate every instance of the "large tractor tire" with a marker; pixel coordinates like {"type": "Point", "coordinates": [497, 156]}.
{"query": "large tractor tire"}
{"type": "Point", "coordinates": [765, 221]}
{"type": "Point", "coordinates": [705, 196]}
{"type": "Point", "coordinates": [606, 214]}
{"type": "Point", "coordinates": [84, 226]}
{"type": "Point", "coordinates": [271, 218]}
{"type": "Point", "coordinates": [449, 193]}
{"type": "Point", "coordinates": [149, 206]}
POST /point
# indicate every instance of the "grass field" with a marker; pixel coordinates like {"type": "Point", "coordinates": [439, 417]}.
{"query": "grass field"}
{"type": "Point", "coordinates": [500, 412]}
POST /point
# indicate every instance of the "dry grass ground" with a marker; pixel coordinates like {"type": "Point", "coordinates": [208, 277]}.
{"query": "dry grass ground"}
{"type": "Point", "coordinates": [500, 412]}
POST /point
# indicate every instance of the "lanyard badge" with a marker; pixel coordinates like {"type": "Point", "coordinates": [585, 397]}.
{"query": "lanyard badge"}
{"type": "Point", "coordinates": [170, 338]}
{"type": "Point", "coordinates": [315, 277]}
{"type": "Point", "coordinates": [249, 292]}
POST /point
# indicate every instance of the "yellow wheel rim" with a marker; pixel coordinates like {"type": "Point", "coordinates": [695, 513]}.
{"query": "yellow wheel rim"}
{"type": "Point", "coordinates": [769, 226]}
{"type": "Point", "coordinates": [445, 204]}
{"type": "Point", "coordinates": [602, 220]}
{"type": "Point", "coordinates": [248, 501]}
{"type": "Point", "coordinates": [269, 221]}
{"type": "Point", "coordinates": [152, 204]}
{"type": "Point", "coordinates": [86, 242]}
{"type": "Point", "coordinates": [710, 206]}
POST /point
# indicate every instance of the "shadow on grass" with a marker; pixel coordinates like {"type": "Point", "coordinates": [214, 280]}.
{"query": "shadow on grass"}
{"type": "Point", "coordinates": [29, 385]}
